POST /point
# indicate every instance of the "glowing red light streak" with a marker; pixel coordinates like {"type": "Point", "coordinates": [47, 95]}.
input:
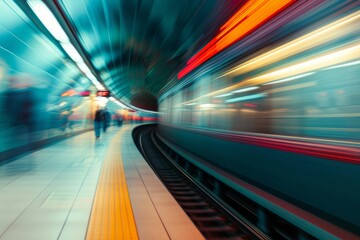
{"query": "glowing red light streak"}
{"type": "Point", "coordinates": [249, 17]}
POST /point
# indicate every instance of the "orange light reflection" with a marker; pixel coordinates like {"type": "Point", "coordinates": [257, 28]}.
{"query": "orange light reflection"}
{"type": "Point", "coordinates": [248, 18]}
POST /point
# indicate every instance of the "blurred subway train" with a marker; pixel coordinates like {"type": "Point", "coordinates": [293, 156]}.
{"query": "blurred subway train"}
{"type": "Point", "coordinates": [279, 109]}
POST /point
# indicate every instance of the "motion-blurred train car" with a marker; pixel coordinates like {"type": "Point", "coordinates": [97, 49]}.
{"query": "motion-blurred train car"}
{"type": "Point", "coordinates": [280, 108]}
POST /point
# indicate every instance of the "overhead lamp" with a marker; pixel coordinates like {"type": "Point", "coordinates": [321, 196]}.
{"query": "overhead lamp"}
{"type": "Point", "coordinates": [117, 102]}
{"type": "Point", "coordinates": [72, 52]}
{"type": "Point", "coordinates": [90, 76]}
{"type": "Point", "coordinates": [83, 67]}
{"type": "Point", "coordinates": [99, 86]}
{"type": "Point", "coordinates": [93, 79]}
{"type": "Point", "coordinates": [121, 105]}
{"type": "Point", "coordinates": [48, 20]}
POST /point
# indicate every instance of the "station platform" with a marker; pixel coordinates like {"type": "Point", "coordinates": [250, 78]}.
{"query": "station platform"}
{"type": "Point", "coordinates": [83, 188]}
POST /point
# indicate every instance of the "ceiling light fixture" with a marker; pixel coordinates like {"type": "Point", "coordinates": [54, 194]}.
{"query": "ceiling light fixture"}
{"type": "Point", "coordinates": [48, 20]}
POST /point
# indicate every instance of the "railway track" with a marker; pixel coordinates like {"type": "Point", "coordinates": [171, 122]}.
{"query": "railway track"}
{"type": "Point", "coordinates": [211, 217]}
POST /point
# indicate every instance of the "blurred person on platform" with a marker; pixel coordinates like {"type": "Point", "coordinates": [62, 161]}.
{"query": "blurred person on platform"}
{"type": "Point", "coordinates": [107, 119]}
{"type": "Point", "coordinates": [118, 119]}
{"type": "Point", "coordinates": [66, 123]}
{"type": "Point", "coordinates": [98, 121]}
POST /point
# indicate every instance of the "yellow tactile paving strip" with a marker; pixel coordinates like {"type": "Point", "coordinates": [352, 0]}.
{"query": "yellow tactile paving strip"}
{"type": "Point", "coordinates": [111, 216]}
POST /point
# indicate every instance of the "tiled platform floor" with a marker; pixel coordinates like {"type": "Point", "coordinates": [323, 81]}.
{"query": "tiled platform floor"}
{"type": "Point", "coordinates": [48, 194]}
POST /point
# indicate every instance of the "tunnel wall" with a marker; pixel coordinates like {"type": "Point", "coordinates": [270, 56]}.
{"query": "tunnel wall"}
{"type": "Point", "coordinates": [38, 87]}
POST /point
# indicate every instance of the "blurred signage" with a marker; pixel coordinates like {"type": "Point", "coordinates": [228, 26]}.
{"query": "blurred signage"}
{"type": "Point", "coordinates": [69, 93]}
{"type": "Point", "coordinates": [103, 93]}
{"type": "Point", "coordinates": [85, 93]}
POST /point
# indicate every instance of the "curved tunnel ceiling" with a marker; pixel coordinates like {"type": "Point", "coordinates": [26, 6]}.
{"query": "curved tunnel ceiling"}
{"type": "Point", "coordinates": [138, 46]}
